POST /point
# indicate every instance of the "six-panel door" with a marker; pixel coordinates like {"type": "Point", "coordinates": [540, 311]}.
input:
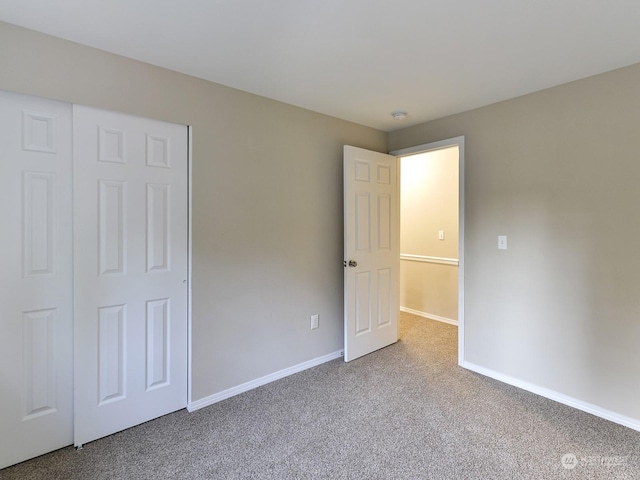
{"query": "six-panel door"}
{"type": "Point", "coordinates": [130, 288]}
{"type": "Point", "coordinates": [371, 249]}
{"type": "Point", "coordinates": [100, 308]}
{"type": "Point", "coordinates": [36, 350]}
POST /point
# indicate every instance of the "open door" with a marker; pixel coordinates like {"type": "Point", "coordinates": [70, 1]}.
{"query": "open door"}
{"type": "Point", "coordinates": [371, 251]}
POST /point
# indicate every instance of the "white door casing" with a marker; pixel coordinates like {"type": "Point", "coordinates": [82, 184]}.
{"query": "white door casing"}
{"type": "Point", "coordinates": [429, 147]}
{"type": "Point", "coordinates": [36, 390]}
{"type": "Point", "coordinates": [371, 251]}
{"type": "Point", "coordinates": [130, 271]}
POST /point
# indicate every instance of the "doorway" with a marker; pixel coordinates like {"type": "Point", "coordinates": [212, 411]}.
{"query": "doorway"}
{"type": "Point", "coordinates": [432, 232]}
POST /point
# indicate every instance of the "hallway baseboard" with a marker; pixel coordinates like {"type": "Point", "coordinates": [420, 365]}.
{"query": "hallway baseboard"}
{"type": "Point", "coordinates": [430, 316]}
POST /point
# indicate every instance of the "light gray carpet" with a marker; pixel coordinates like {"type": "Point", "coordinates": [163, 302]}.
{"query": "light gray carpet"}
{"type": "Point", "coordinates": [404, 412]}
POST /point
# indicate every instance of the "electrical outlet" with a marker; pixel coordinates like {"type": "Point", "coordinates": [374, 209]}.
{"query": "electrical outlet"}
{"type": "Point", "coordinates": [315, 321]}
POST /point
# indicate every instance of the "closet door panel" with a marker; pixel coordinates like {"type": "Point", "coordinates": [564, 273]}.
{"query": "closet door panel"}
{"type": "Point", "coordinates": [130, 298]}
{"type": "Point", "coordinates": [36, 347]}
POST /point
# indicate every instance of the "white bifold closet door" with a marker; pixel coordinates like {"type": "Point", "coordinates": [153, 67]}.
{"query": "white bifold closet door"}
{"type": "Point", "coordinates": [130, 271]}
{"type": "Point", "coordinates": [36, 330]}
{"type": "Point", "coordinates": [93, 273]}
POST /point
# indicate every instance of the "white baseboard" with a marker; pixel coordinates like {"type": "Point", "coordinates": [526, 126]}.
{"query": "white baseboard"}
{"type": "Point", "coordinates": [258, 382]}
{"type": "Point", "coordinates": [430, 316]}
{"type": "Point", "coordinates": [632, 423]}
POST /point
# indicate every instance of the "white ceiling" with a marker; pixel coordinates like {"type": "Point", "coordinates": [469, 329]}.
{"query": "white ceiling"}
{"type": "Point", "coordinates": [358, 59]}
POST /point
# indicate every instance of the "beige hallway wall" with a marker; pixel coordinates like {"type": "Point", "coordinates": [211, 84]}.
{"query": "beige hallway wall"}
{"type": "Point", "coordinates": [429, 204]}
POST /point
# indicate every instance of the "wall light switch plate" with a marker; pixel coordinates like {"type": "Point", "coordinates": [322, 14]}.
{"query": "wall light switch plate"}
{"type": "Point", "coordinates": [502, 242]}
{"type": "Point", "coordinates": [315, 321]}
{"type": "Point", "coordinates": [441, 234]}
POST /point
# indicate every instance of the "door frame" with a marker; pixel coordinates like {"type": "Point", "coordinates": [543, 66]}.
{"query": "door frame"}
{"type": "Point", "coordinates": [189, 257]}
{"type": "Point", "coordinates": [430, 147]}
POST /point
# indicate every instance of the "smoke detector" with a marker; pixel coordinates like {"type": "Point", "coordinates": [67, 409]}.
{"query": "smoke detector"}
{"type": "Point", "coordinates": [399, 115]}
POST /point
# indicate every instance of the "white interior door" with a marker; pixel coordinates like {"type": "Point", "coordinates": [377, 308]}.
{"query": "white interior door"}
{"type": "Point", "coordinates": [130, 271]}
{"type": "Point", "coordinates": [36, 390]}
{"type": "Point", "coordinates": [371, 251]}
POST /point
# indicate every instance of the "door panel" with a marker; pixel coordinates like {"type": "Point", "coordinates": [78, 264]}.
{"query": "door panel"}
{"type": "Point", "coordinates": [371, 246]}
{"type": "Point", "coordinates": [130, 294]}
{"type": "Point", "coordinates": [36, 390]}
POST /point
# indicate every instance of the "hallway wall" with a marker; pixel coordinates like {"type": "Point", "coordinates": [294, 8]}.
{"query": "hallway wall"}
{"type": "Point", "coordinates": [429, 204]}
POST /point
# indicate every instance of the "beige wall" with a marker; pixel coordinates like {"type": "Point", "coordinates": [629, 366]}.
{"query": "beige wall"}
{"type": "Point", "coordinates": [428, 204]}
{"type": "Point", "coordinates": [557, 171]}
{"type": "Point", "coordinates": [267, 201]}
